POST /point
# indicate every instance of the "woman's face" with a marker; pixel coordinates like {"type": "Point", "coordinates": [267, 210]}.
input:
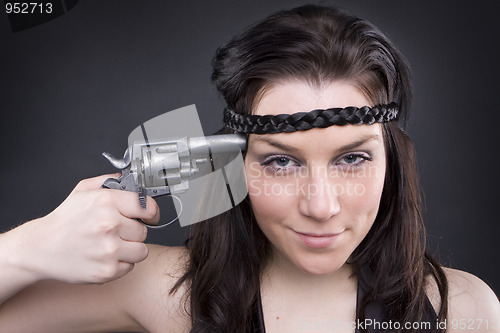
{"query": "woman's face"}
{"type": "Point", "coordinates": [315, 194]}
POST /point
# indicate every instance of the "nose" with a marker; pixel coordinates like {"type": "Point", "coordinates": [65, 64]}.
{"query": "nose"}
{"type": "Point", "coordinates": [319, 200]}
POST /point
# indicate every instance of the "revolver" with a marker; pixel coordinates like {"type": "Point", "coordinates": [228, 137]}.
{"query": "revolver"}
{"type": "Point", "coordinates": [167, 166]}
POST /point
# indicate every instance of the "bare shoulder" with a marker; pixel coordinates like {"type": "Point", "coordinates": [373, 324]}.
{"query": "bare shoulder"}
{"type": "Point", "coordinates": [169, 260]}
{"type": "Point", "coordinates": [472, 304]}
{"type": "Point", "coordinates": [470, 297]}
{"type": "Point", "coordinates": [151, 303]}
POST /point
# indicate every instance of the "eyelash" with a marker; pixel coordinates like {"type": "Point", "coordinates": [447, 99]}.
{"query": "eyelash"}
{"type": "Point", "coordinates": [274, 158]}
{"type": "Point", "coordinates": [364, 158]}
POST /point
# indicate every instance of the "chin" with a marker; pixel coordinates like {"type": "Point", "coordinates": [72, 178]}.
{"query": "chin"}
{"type": "Point", "coordinates": [320, 264]}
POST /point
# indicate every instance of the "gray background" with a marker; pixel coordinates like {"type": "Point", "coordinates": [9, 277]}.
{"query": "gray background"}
{"type": "Point", "coordinates": [76, 86]}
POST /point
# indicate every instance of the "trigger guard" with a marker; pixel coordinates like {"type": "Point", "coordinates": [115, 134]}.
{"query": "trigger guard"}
{"type": "Point", "coordinates": [159, 226]}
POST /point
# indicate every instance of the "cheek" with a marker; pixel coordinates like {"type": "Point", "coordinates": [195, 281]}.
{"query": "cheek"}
{"type": "Point", "coordinates": [363, 202]}
{"type": "Point", "coordinates": [271, 200]}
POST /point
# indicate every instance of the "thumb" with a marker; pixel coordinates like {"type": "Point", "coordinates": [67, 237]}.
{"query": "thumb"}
{"type": "Point", "coordinates": [94, 183]}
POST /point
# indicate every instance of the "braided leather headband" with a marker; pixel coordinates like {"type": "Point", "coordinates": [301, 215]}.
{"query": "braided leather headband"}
{"type": "Point", "coordinates": [302, 121]}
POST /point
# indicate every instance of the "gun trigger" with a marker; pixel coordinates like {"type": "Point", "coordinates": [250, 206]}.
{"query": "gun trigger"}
{"type": "Point", "coordinates": [142, 198]}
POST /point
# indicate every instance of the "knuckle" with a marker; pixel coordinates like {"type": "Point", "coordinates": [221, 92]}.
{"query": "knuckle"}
{"type": "Point", "coordinates": [103, 198]}
{"type": "Point", "coordinates": [110, 249]}
{"type": "Point", "coordinates": [102, 273]}
{"type": "Point", "coordinates": [106, 273]}
{"type": "Point", "coordinates": [106, 226]}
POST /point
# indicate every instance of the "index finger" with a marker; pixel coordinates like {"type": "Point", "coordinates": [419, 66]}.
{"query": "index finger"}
{"type": "Point", "coordinates": [128, 205]}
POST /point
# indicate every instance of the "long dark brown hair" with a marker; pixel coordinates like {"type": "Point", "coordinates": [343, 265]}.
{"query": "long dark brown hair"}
{"type": "Point", "coordinates": [315, 44]}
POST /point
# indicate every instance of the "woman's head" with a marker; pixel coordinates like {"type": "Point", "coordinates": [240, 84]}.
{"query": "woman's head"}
{"type": "Point", "coordinates": [315, 194]}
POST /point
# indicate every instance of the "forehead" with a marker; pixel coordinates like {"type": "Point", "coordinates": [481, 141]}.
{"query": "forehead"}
{"type": "Point", "coordinates": [292, 96]}
{"type": "Point", "coordinates": [288, 97]}
{"type": "Point", "coordinates": [317, 141]}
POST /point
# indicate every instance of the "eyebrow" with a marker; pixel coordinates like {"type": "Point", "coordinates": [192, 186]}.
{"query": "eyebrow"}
{"type": "Point", "coordinates": [341, 149]}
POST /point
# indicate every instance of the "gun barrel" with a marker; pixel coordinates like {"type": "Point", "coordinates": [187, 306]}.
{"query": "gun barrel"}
{"type": "Point", "coordinates": [224, 143]}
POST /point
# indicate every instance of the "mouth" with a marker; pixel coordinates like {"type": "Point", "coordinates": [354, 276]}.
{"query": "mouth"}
{"type": "Point", "coordinates": [318, 240]}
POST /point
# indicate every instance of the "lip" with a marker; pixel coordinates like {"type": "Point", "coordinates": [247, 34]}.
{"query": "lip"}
{"type": "Point", "coordinates": [318, 240]}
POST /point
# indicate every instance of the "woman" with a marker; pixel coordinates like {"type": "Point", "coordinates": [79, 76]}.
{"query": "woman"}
{"type": "Point", "coordinates": [330, 233]}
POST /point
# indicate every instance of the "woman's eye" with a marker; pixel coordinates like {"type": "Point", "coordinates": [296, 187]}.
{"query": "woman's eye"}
{"type": "Point", "coordinates": [354, 159]}
{"type": "Point", "coordinates": [278, 163]}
